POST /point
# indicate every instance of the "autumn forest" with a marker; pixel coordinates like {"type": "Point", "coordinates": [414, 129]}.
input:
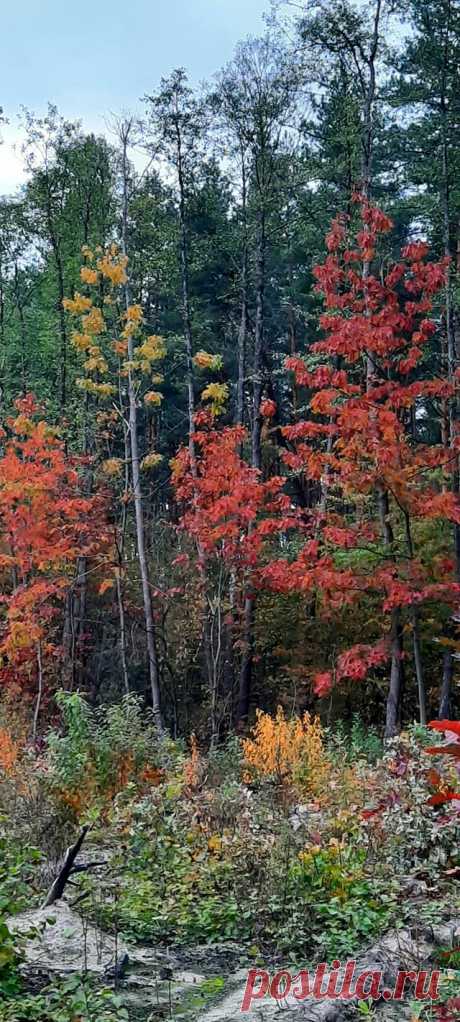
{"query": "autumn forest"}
{"type": "Point", "coordinates": [230, 471]}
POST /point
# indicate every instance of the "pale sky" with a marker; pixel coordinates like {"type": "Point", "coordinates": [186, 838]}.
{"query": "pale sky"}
{"type": "Point", "coordinates": [94, 58]}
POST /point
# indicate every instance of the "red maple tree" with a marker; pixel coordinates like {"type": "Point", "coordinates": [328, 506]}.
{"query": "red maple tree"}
{"type": "Point", "coordinates": [46, 524]}
{"type": "Point", "coordinates": [378, 475]}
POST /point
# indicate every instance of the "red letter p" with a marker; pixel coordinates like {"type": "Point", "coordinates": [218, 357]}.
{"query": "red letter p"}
{"type": "Point", "coordinates": [252, 994]}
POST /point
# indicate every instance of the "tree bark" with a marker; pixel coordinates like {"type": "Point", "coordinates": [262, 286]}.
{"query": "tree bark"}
{"type": "Point", "coordinates": [242, 332]}
{"type": "Point", "coordinates": [447, 678]}
{"type": "Point", "coordinates": [135, 470]}
{"type": "Point", "coordinates": [394, 700]}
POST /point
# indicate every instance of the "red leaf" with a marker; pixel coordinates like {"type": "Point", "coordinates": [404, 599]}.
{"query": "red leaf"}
{"type": "Point", "coordinates": [444, 750]}
{"type": "Point", "coordinates": [441, 797]}
{"type": "Point", "coordinates": [446, 725]}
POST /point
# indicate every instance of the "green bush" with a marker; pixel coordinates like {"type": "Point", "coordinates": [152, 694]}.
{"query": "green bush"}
{"type": "Point", "coordinates": [70, 999]}
{"type": "Point", "coordinates": [348, 742]}
{"type": "Point", "coordinates": [99, 751]}
{"type": "Point", "coordinates": [17, 869]}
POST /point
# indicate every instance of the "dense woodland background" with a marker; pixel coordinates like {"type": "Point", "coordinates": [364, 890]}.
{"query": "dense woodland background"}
{"type": "Point", "coordinates": [222, 231]}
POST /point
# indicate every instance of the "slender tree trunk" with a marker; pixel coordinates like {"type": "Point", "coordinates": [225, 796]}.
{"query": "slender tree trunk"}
{"type": "Point", "coordinates": [190, 376]}
{"type": "Point", "coordinates": [245, 684]}
{"type": "Point", "coordinates": [256, 449]}
{"type": "Point", "coordinates": [292, 331]}
{"type": "Point", "coordinates": [393, 713]}
{"type": "Point", "coordinates": [56, 248]}
{"type": "Point", "coordinates": [242, 332]}
{"type": "Point", "coordinates": [449, 313]}
{"type": "Point", "coordinates": [394, 700]}
{"type": "Point", "coordinates": [22, 326]}
{"type": "Point", "coordinates": [186, 315]}
{"type": "Point", "coordinates": [38, 701]}
{"type": "Point", "coordinates": [368, 107]}
{"type": "Point", "coordinates": [418, 661]}
{"type": "Point", "coordinates": [121, 561]}
{"type": "Point", "coordinates": [122, 637]}
{"type": "Point", "coordinates": [447, 678]}
{"type": "Point", "coordinates": [135, 474]}
{"type": "Point", "coordinates": [246, 662]}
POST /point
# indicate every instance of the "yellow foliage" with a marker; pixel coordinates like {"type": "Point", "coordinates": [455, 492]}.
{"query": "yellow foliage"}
{"type": "Point", "coordinates": [134, 314]}
{"type": "Point", "coordinates": [94, 322]}
{"type": "Point", "coordinates": [113, 267]}
{"type": "Point", "coordinates": [152, 350]}
{"type": "Point", "coordinates": [81, 341]}
{"type": "Point", "coordinates": [112, 467]}
{"type": "Point", "coordinates": [96, 363]}
{"type": "Point", "coordinates": [290, 750]}
{"type": "Point", "coordinates": [153, 397]}
{"type": "Point", "coordinates": [76, 306]}
{"type": "Point", "coordinates": [151, 460]}
{"type": "Point", "coordinates": [204, 360]}
{"type": "Point", "coordinates": [217, 394]}
{"type": "Point", "coordinates": [88, 275]}
{"type": "Point", "coordinates": [103, 389]}
{"type": "Point", "coordinates": [22, 425]}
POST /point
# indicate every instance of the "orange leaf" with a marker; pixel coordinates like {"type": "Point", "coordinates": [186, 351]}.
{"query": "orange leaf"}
{"type": "Point", "coordinates": [108, 583]}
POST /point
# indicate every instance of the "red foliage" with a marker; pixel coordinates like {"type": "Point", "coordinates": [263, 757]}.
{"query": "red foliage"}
{"type": "Point", "coordinates": [268, 408]}
{"type": "Point", "coordinates": [357, 441]}
{"type": "Point", "coordinates": [228, 509]}
{"type": "Point", "coordinates": [45, 525]}
{"type": "Point", "coordinates": [451, 730]}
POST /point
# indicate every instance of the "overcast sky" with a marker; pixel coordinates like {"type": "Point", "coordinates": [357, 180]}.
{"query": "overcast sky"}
{"type": "Point", "coordinates": [94, 58]}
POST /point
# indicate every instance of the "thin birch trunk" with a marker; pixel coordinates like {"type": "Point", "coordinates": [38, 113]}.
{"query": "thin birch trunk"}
{"type": "Point", "coordinates": [135, 466]}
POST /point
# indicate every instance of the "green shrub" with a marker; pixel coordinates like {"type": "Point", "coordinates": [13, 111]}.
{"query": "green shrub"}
{"type": "Point", "coordinates": [71, 999]}
{"type": "Point", "coordinates": [348, 742]}
{"type": "Point", "coordinates": [99, 751]}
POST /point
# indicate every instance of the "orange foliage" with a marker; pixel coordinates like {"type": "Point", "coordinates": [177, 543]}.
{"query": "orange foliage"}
{"type": "Point", "coordinates": [193, 768]}
{"type": "Point", "coordinates": [290, 750]}
{"type": "Point", "coordinates": [9, 752]}
{"type": "Point", "coordinates": [152, 776]}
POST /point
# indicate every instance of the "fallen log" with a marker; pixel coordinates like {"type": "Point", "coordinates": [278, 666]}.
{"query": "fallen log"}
{"type": "Point", "coordinates": [57, 887]}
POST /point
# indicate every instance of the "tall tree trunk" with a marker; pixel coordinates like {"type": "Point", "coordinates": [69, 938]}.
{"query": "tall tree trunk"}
{"type": "Point", "coordinates": [57, 255]}
{"type": "Point", "coordinates": [121, 559]}
{"type": "Point", "coordinates": [368, 105]}
{"type": "Point", "coordinates": [242, 332]}
{"type": "Point", "coordinates": [449, 310]}
{"type": "Point", "coordinates": [135, 469]}
{"type": "Point", "coordinates": [393, 711]}
{"type": "Point", "coordinates": [418, 661]}
{"type": "Point", "coordinates": [447, 678]}
{"type": "Point", "coordinates": [190, 376]}
{"type": "Point", "coordinates": [186, 315]}
{"type": "Point", "coordinates": [394, 701]}
{"type": "Point", "coordinates": [257, 386]}
{"type": "Point", "coordinates": [22, 327]}
{"type": "Point", "coordinates": [453, 411]}
{"type": "Point", "coordinates": [245, 683]}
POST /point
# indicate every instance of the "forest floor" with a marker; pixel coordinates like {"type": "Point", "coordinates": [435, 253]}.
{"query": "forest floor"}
{"type": "Point", "coordinates": [211, 882]}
